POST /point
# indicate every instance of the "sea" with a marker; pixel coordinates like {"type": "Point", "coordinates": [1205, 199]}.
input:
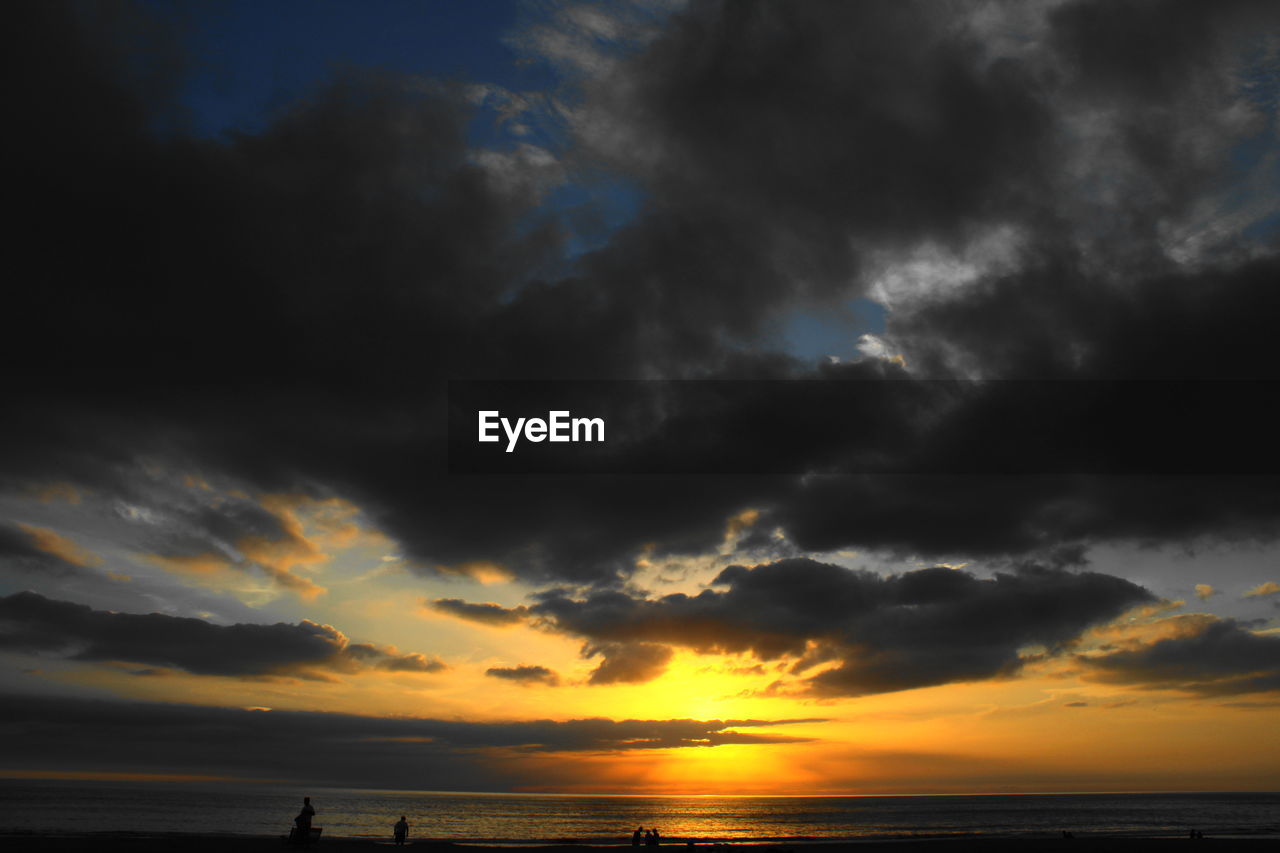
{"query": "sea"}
{"type": "Point", "coordinates": [63, 807]}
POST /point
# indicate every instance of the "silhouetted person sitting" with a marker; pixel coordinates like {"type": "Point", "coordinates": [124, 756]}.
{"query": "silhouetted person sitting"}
{"type": "Point", "coordinates": [401, 830]}
{"type": "Point", "coordinates": [302, 832]}
{"type": "Point", "coordinates": [635, 836]}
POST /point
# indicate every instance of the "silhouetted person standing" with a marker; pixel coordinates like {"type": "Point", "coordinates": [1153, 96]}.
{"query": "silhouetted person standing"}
{"type": "Point", "coordinates": [635, 836]}
{"type": "Point", "coordinates": [401, 830]}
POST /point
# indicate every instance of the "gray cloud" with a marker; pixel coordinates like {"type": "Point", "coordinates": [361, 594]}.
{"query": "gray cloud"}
{"type": "Point", "coordinates": [524, 674]}
{"type": "Point", "coordinates": [1214, 657]}
{"type": "Point", "coordinates": [411, 662]}
{"type": "Point", "coordinates": [316, 748]}
{"type": "Point", "coordinates": [627, 663]}
{"type": "Point", "coordinates": [485, 614]}
{"type": "Point", "coordinates": [920, 628]}
{"type": "Point", "coordinates": [33, 624]}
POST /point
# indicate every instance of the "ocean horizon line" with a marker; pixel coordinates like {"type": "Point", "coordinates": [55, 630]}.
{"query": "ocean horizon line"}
{"type": "Point", "coordinates": [331, 786]}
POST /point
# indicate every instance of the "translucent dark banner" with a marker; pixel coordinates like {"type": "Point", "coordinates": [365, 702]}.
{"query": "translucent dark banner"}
{"type": "Point", "coordinates": [862, 427]}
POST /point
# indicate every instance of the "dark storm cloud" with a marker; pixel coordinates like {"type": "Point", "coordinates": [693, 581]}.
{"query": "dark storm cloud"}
{"type": "Point", "coordinates": [77, 734]}
{"type": "Point", "coordinates": [1218, 657]}
{"type": "Point", "coordinates": [33, 624]}
{"type": "Point", "coordinates": [918, 629]}
{"type": "Point", "coordinates": [524, 674]}
{"type": "Point", "coordinates": [756, 115]}
{"type": "Point", "coordinates": [884, 124]}
{"type": "Point", "coordinates": [283, 308]}
{"type": "Point", "coordinates": [988, 515]}
{"type": "Point", "coordinates": [367, 258]}
{"type": "Point", "coordinates": [762, 104]}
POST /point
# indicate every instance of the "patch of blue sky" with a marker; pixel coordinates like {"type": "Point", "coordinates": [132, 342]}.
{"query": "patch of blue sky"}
{"type": "Point", "coordinates": [250, 59]}
{"type": "Point", "coordinates": [587, 213]}
{"type": "Point", "coordinates": [1256, 160]}
{"type": "Point", "coordinates": [1254, 185]}
{"type": "Point", "coordinates": [593, 211]}
{"type": "Point", "coordinates": [1263, 230]}
{"type": "Point", "coordinates": [814, 334]}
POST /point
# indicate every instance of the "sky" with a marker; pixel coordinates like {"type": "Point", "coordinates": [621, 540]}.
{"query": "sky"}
{"type": "Point", "coordinates": [255, 243]}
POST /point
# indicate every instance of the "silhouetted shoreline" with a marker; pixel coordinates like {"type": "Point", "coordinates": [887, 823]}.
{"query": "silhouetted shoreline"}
{"type": "Point", "coordinates": [119, 842]}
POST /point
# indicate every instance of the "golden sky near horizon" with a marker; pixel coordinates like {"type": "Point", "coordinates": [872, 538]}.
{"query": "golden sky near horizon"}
{"type": "Point", "coordinates": [1053, 725]}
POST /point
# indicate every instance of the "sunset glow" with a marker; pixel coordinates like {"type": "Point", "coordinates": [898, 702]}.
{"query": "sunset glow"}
{"type": "Point", "coordinates": [881, 397]}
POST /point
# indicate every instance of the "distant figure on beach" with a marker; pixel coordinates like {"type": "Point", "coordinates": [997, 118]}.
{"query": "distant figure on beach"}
{"type": "Point", "coordinates": [651, 838]}
{"type": "Point", "coordinates": [302, 834]}
{"type": "Point", "coordinates": [401, 830]}
{"type": "Point", "coordinates": [635, 836]}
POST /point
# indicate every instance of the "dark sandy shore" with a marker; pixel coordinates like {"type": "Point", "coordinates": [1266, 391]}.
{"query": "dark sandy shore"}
{"type": "Point", "coordinates": [123, 842]}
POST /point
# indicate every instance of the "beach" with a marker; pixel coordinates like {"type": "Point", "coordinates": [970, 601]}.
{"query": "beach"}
{"type": "Point", "coordinates": [122, 842]}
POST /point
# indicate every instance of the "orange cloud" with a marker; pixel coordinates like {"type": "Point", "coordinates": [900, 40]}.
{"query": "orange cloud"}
{"type": "Point", "coordinates": [196, 564]}
{"type": "Point", "coordinates": [487, 573]}
{"type": "Point", "coordinates": [214, 566]}
{"type": "Point", "coordinates": [312, 527]}
{"type": "Point", "coordinates": [1143, 630]}
{"type": "Point", "coordinates": [61, 547]}
{"type": "Point", "coordinates": [332, 522]}
{"type": "Point", "coordinates": [1263, 589]}
{"type": "Point", "coordinates": [280, 557]}
{"type": "Point", "coordinates": [740, 523]}
{"type": "Point", "coordinates": [306, 589]}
